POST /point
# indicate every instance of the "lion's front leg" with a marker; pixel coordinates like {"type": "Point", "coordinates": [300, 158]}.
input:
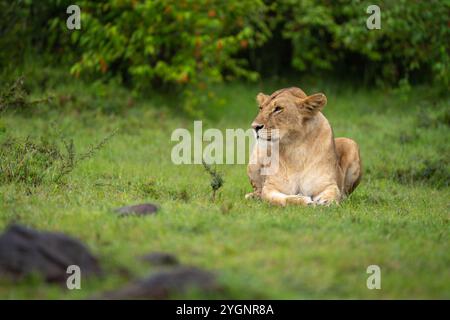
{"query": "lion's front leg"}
{"type": "Point", "coordinates": [276, 197]}
{"type": "Point", "coordinates": [254, 175]}
{"type": "Point", "coordinates": [256, 180]}
{"type": "Point", "coordinates": [330, 195]}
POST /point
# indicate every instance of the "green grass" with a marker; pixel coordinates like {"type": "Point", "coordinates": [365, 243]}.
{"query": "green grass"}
{"type": "Point", "coordinates": [398, 218]}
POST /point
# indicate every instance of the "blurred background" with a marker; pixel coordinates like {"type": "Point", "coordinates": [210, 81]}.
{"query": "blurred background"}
{"type": "Point", "coordinates": [184, 46]}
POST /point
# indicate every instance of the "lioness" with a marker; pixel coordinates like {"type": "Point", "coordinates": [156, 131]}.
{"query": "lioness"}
{"type": "Point", "coordinates": [314, 168]}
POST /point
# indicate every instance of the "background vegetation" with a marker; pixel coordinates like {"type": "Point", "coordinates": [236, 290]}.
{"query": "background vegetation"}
{"type": "Point", "coordinates": [86, 117]}
{"type": "Point", "coordinates": [190, 44]}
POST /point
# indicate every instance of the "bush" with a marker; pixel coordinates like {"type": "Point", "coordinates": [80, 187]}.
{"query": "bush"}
{"type": "Point", "coordinates": [39, 161]}
{"type": "Point", "coordinates": [184, 45]}
{"type": "Point", "coordinates": [168, 43]}
{"type": "Point", "coordinates": [413, 40]}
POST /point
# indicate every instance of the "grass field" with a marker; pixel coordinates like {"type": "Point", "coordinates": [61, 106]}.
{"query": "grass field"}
{"type": "Point", "coordinates": [398, 218]}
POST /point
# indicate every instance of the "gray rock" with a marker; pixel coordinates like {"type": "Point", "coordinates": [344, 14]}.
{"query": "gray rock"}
{"type": "Point", "coordinates": [24, 251]}
{"type": "Point", "coordinates": [165, 284]}
{"type": "Point", "coordinates": [140, 209]}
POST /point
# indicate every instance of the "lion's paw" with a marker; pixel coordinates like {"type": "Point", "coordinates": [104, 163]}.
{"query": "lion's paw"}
{"type": "Point", "coordinates": [299, 200]}
{"type": "Point", "coordinates": [252, 195]}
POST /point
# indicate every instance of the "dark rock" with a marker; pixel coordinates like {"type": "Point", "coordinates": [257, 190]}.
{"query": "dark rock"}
{"type": "Point", "coordinates": [140, 209]}
{"type": "Point", "coordinates": [165, 284]}
{"type": "Point", "coordinates": [24, 251]}
{"type": "Point", "coordinates": [160, 259]}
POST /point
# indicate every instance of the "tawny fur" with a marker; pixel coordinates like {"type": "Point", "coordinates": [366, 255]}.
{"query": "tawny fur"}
{"type": "Point", "coordinates": [314, 168]}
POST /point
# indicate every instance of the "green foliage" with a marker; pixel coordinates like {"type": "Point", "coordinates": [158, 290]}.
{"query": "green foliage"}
{"type": "Point", "coordinates": [25, 33]}
{"type": "Point", "coordinates": [184, 46]}
{"type": "Point", "coordinates": [13, 96]}
{"type": "Point", "coordinates": [413, 40]}
{"type": "Point", "coordinates": [39, 161]}
{"type": "Point", "coordinates": [12, 16]}
{"type": "Point", "coordinates": [34, 161]}
{"type": "Point", "coordinates": [174, 43]}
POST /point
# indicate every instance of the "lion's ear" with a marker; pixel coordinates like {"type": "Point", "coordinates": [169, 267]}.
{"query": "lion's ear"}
{"type": "Point", "coordinates": [313, 104]}
{"type": "Point", "coordinates": [261, 98]}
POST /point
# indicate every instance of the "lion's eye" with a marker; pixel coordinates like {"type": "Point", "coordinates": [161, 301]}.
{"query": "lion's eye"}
{"type": "Point", "coordinates": [277, 109]}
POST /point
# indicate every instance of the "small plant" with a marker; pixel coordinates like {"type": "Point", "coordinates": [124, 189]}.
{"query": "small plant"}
{"type": "Point", "coordinates": [216, 179]}
{"type": "Point", "coordinates": [73, 159]}
{"type": "Point", "coordinates": [38, 161]}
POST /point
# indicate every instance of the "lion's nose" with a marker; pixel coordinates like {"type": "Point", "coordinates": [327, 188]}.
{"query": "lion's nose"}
{"type": "Point", "coordinates": [257, 126]}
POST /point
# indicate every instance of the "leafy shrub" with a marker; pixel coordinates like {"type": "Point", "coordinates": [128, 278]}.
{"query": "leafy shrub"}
{"type": "Point", "coordinates": [413, 40]}
{"type": "Point", "coordinates": [12, 16]}
{"type": "Point", "coordinates": [185, 45]}
{"type": "Point", "coordinates": [24, 32]}
{"type": "Point", "coordinates": [13, 96]}
{"type": "Point", "coordinates": [39, 161]}
{"type": "Point", "coordinates": [173, 43]}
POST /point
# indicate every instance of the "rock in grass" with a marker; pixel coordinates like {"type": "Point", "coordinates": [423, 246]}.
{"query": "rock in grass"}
{"type": "Point", "coordinates": [25, 251]}
{"type": "Point", "coordinates": [160, 259]}
{"type": "Point", "coordinates": [166, 284]}
{"type": "Point", "coordinates": [140, 210]}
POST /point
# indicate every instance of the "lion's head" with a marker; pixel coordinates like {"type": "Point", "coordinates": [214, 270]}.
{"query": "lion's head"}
{"type": "Point", "coordinates": [285, 111]}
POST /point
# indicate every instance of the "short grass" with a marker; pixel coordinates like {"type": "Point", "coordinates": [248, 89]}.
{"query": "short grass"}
{"type": "Point", "coordinates": [398, 218]}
